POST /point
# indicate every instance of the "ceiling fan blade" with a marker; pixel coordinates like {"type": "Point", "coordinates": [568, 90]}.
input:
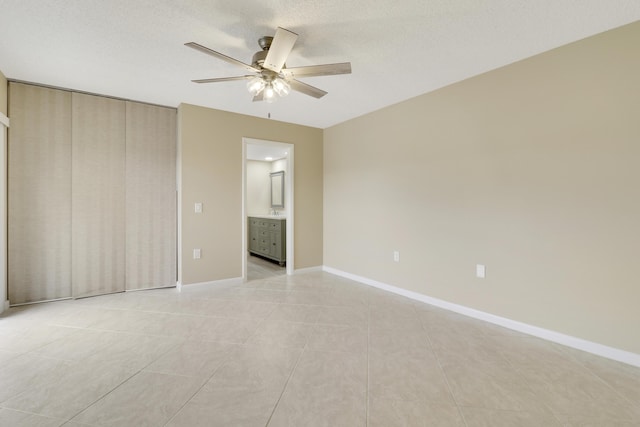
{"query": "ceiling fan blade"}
{"type": "Point", "coordinates": [222, 79]}
{"type": "Point", "coordinates": [317, 70]}
{"type": "Point", "coordinates": [280, 48]}
{"type": "Point", "coordinates": [297, 85]}
{"type": "Point", "coordinates": [222, 56]}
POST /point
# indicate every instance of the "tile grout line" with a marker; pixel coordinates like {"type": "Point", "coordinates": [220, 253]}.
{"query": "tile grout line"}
{"type": "Point", "coordinates": [603, 380]}
{"type": "Point", "coordinates": [286, 384]}
{"type": "Point", "coordinates": [444, 375]}
{"type": "Point", "coordinates": [104, 395]}
{"type": "Point", "coordinates": [204, 383]}
{"type": "Point", "coordinates": [516, 368]}
{"type": "Point", "coordinates": [123, 382]}
{"type": "Point", "coordinates": [22, 411]}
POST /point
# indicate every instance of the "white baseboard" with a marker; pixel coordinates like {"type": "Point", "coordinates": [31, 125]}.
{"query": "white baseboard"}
{"type": "Point", "coordinates": [45, 301]}
{"type": "Point", "coordinates": [557, 337]}
{"type": "Point", "coordinates": [231, 281]}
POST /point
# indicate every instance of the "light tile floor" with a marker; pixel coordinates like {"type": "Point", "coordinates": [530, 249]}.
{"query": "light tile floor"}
{"type": "Point", "coordinates": [260, 268]}
{"type": "Point", "coordinates": [306, 350]}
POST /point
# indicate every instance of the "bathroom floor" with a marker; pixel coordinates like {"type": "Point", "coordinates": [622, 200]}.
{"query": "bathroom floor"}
{"type": "Point", "coordinates": [312, 349]}
{"type": "Point", "coordinates": [260, 268]}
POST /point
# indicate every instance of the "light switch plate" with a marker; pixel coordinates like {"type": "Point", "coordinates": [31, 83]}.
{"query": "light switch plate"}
{"type": "Point", "coordinates": [481, 271]}
{"type": "Point", "coordinates": [196, 254]}
{"type": "Point", "coordinates": [198, 207]}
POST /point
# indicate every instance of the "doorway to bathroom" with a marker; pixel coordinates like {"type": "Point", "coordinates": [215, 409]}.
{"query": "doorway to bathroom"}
{"type": "Point", "coordinates": [267, 209]}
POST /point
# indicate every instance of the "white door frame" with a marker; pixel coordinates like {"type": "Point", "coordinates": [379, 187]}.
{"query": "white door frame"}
{"type": "Point", "coordinates": [4, 125]}
{"type": "Point", "coordinates": [288, 197]}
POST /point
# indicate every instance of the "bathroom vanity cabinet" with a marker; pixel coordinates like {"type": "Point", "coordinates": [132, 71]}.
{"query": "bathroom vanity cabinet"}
{"type": "Point", "coordinates": [268, 237]}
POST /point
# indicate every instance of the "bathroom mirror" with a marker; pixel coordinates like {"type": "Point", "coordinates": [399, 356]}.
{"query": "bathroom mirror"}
{"type": "Point", "coordinates": [277, 189]}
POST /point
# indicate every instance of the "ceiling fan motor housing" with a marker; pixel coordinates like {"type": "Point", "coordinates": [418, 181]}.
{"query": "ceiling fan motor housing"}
{"type": "Point", "coordinates": [258, 58]}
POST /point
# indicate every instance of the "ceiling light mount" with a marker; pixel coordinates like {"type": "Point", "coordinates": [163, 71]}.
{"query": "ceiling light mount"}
{"type": "Point", "coordinates": [265, 42]}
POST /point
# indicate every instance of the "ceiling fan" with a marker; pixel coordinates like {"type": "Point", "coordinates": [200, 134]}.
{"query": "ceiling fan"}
{"type": "Point", "coordinates": [270, 77]}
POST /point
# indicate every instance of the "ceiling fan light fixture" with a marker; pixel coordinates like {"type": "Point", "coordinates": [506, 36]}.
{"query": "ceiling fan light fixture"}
{"type": "Point", "coordinates": [269, 93]}
{"type": "Point", "coordinates": [281, 87]}
{"type": "Point", "coordinates": [255, 85]}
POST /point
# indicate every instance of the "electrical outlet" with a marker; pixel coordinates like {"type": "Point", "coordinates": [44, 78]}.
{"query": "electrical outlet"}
{"type": "Point", "coordinates": [396, 256]}
{"type": "Point", "coordinates": [196, 254]}
{"type": "Point", "coordinates": [481, 271]}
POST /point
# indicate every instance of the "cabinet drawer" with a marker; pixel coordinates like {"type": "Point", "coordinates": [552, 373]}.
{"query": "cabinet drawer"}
{"type": "Point", "coordinates": [275, 225]}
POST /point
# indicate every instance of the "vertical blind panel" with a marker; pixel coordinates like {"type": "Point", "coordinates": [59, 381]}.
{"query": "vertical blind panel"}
{"type": "Point", "coordinates": [151, 196]}
{"type": "Point", "coordinates": [39, 194]}
{"type": "Point", "coordinates": [98, 195]}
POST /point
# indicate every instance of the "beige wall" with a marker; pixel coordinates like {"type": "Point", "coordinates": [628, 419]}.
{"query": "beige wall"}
{"type": "Point", "coordinates": [210, 144]}
{"type": "Point", "coordinates": [531, 169]}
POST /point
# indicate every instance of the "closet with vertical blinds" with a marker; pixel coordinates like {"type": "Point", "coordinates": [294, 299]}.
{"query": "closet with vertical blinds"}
{"type": "Point", "coordinates": [92, 195]}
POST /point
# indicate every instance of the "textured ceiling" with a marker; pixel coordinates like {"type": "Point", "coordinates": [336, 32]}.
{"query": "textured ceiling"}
{"type": "Point", "coordinates": [399, 49]}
